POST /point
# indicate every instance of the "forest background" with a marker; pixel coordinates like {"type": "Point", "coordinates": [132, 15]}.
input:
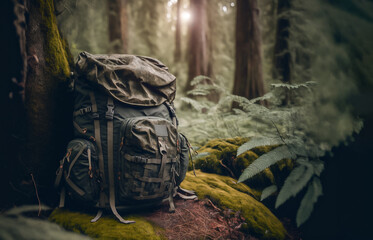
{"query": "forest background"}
{"type": "Point", "coordinates": [317, 77]}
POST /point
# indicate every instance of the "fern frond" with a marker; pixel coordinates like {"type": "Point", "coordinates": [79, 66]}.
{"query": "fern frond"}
{"type": "Point", "coordinates": [314, 191]}
{"type": "Point", "coordinates": [294, 86]}
{"type": "Point", "coordinates": [195, 104]}
{"type": "Point", "coordinates": [198, 92]}
{"type": "Point", "coordinates": [265, 161]}
{"type": "Point", "coordinates": [197, 80]}
{"type": "Point", "coordinates": [294, 183]}
{"type": "Point", "coordinates": [257, 142]}
{"type": "Point", "coordinates": [266, 96]}
{"type": "Point", "coordinates": [268, 191]}
{"type": "Point", "coordinates": [318, 167]}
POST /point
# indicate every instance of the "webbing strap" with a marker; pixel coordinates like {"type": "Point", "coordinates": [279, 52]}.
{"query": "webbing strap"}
{"type": "Point", "coordinates": [75, 187]}
{"type": "Point", "coordinates": [78, 128]}
{"type": "Point", "coordinates": [185, 197]}
{"type": "Point", "coordinates": [139, 159]}
{"type": "Point", "coordinates": [172, 113]}
{"type": "Point", "coordinates": [82, 111]}
{"type": "Point", "coordinates": [110, 144]}
{"type": "Point", "coordinates": [98, 216]}
{"type": "Point", "coordinates": [75, 159]}
{"type": "Point", "coordinates": [96, 123]}
{"type": "Point", "coordinates": [59, 173]}
{"type": "Point", "coordinates": [62, 198]}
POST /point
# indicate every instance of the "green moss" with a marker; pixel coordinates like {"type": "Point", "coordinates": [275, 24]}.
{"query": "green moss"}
{"type": "Point", "coordinates": [225, 193]}
{"type": "Point", "coordinates": [106, 228]}
{"type": "Point", "coordinates": [56, 56]}
{"type": "Point", "coordinates": [225, 150]}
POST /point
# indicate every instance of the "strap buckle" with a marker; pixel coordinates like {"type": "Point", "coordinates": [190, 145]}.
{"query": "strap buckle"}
{"type": "Point", "coordinates": [110, 112]}
{"type": "Point", "coordinates": [95, 115]}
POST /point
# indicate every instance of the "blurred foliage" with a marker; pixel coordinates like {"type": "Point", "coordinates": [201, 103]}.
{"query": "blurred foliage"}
{"type": "Point", "coordinates": [331, 53]}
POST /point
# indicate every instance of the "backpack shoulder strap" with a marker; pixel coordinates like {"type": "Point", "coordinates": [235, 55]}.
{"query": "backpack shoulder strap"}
{"type": "Point", "coordinates": [110, 144]}
{"type": "Point", "coordinates": [96, 123]}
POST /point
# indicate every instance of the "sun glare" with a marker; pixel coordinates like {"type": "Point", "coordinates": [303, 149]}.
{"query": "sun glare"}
{"type": "Point", "coordinates": [186, 16]}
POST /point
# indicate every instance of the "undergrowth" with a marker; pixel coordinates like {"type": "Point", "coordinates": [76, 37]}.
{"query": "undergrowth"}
{"type": "Point", "coordinates": [269, 123]}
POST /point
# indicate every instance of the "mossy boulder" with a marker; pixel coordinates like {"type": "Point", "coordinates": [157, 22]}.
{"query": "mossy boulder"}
{"type": "Point", "coordinates": [226, 194]}
{"type": "Point", "coordinates": [222, 160]}
{"type": "Point", "coordinates": [106, 227]}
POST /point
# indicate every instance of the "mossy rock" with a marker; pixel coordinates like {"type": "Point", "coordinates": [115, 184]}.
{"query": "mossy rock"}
{"type": "Point", "coordinates": [226, 194]}
{"type": "Point", "coordinates": [222, 160]}
{"type": "Point", "coordinates": [106, 227]}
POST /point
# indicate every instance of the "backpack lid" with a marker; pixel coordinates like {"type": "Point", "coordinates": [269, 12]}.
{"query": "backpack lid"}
{"type": "Point", "coordinates": [135, 80]}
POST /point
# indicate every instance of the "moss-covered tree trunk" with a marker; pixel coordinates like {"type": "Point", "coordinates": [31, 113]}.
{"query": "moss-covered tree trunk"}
{"type": "Point", "coordinates": [47, 105]}
{"type": "Point", "coordinates": [118, 26]}
{"type": "Point", "coordinates": [248, 78]}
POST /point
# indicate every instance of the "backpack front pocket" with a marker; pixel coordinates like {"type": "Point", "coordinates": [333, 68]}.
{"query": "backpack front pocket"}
{"type": "Point", "coordinates": [147, 159]}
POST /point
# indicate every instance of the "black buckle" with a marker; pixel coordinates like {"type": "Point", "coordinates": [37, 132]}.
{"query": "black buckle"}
{"type": "Point", "coordinates": [95, 115]}
{"type": "Point", "coordinates": [85, 110]}
{"type": "Point", "coordinates": [110, 112]}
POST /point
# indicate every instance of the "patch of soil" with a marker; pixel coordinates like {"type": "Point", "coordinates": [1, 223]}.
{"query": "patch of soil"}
{"type": "Point", "coordinates": [199, 220]}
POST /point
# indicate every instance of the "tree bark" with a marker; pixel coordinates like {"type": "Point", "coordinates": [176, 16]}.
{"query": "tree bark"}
{"type": "Point", "coordinates": [248, 78]}
{"type": "Point", "coordinates": [177, 53]}
{"type": "Point", "coordinates": [282, 57]}
{"type": "Point", "coordinates": [47, 104]}
{"type": "Point", "coordinates": [198, 46]}
{"type": "Point", "coordinates": [118, 26]}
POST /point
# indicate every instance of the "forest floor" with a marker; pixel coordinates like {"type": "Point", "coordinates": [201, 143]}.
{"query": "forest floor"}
{"type": "Point", "coordinates": [201, 219]}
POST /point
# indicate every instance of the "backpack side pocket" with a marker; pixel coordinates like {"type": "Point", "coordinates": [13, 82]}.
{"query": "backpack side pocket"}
{"type": "Point", "coordinates": [81, 171]}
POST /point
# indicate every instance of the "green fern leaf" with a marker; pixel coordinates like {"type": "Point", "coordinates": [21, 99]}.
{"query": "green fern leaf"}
{"type": "Point", "coordinates": [314, 191]}
{"type": "Point", "coordinates": [195, 104]}
{"type": "Point", "coordinates": [294, 183]}
{"type": "Point", "coordinates": [197, 80]}
{"type": "Point", "coordinates": [318, 167]}
{"type": "Point", "coordinates": [266, 96]}
{"type": "Point", "coordinates": [265, 161]}
{"type": "Point", "coordinates": [257, 142]}
{"type": "Point", "coordinates": [268, 191]}
{"type": "Point", "coordinates": [198, 92]}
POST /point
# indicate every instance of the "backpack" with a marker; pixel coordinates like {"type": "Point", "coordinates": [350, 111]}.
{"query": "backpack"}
{"type": "Point", "coordinates": [126, 151]}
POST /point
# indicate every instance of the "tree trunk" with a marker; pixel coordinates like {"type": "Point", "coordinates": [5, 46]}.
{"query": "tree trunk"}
{"type": "Point", "coordinates": [118, 26]}
{"type": "Point", "coordinates": [47, 104]}
{"type": "Point", "coordinates": [177, 53]}
{"type": "Point", "coordinates": [248, 78]}
{"type": "Point", "coordinates": [198, 46]}
{"type": "Point", "coordinates": [282, 57]}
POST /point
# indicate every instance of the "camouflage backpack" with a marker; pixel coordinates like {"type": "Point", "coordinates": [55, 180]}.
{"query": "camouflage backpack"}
{"type": "Point", "coordinates": [127, 151]}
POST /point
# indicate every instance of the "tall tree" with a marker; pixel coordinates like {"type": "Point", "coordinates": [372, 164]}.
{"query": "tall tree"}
{"type": "Point", "coordinates": [118, 26]}
{"type": "Point", "coordinates": [282, 57]}
{"type": "Point", "coordinates": [248, 78]}
{"type": "Point", "coordinates": [177, 53]}
{"type": "Point", "coordinates": [199, 62]}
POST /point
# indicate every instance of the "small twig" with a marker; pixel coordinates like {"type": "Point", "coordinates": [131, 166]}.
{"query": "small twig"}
{"type": "Point", "coordinates": [215, 207]}
{"type": "Point", "coordinates": [37, 194]}
{"type": "Point", "coordinates": [230, 171]}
